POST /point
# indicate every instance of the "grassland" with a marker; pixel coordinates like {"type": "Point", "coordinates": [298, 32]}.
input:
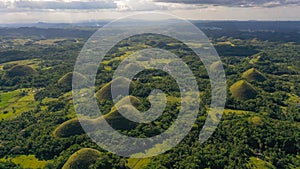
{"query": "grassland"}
{"type": "Point", "coordinates": [137, 163]}
{"type": "Point", "coordinates": [16, 102]}
{"type": "Point", "coordinates": [256, 163]}
{"type": "Point", "coordinates": [27, 161]}
{"type": "Point", "coordinates": [34, 63]}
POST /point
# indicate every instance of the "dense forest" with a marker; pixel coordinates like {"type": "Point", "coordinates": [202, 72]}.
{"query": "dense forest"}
{"type": "Point", "coordinates": [260, 127]}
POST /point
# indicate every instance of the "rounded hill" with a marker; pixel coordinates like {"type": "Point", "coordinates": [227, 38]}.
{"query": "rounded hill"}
{"type": "Point", "coordinates": [253, 75]}
{"type": "Point", "coordinates": [82, 159]}
{"type": "Point", "coordinates": [20, 71]}
{"type": "Point", "coordinates": [216, 66]}
{"type": "Point", "coordinates": [114, 118]}
{"type": "Point", "coordinates": [105, 92]}
{"type": "Point", "coordinates": [68, 128]}
{"type": "Point", "coordinates": [66, 80]}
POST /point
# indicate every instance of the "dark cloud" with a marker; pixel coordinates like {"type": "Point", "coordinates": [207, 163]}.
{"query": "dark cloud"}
{"type": "Point", "coordinates": [237, 3]}
{"type": "Point", "coordinates": [65, 5]}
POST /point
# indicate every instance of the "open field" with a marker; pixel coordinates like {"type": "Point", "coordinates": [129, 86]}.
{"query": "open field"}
{"type": "Point", "coordinates": [16, 102]}
{"type": "Point", "coordinates": [27, 161]}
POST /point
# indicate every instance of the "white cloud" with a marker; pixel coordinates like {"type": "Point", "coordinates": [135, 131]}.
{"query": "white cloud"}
{"type": "Point", "coordinates": [63, 4]}
{"type": "Point", "coordinates": [139, 5]}
{"type": "Point", "coordinates": [236, 3]}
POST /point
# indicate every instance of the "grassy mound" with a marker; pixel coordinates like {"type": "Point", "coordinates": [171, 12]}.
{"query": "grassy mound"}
{"type": "Point", "coordinates": [68, 128]}
{"type": "Point", "coordinates": [117, 121]}
{"type": "Point", "coordinates": [114, 118]}
{"type": "Point", "coordinates": [258, 57]}
{"type": "Point", "coordinates": [242, 90]}
{"type": "Point", "coordinates": [132, 67]}
{"type": "Point", "coordinates": [82, 159]}
{"type": "Point", "coordinates": [216, 66]}
{"type": "Point", "coordinates": [253, 75]}
{"type": "Point", "coordinates": [129, 99]}
{"type": "Point", "coordinates": [19, 71]}
{"type": "Point", "coordinates": [105, 92]}
{"type": "Point", "coordinates": [66, 80]}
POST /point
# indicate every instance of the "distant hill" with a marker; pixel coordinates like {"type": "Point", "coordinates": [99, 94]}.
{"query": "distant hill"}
{"type": "Point", "coordinates": [19, 71]}
{"type": "Point", "coordinates": [82, 159]}
{"type": "Point", "coordinates": [253, 75]}
{"type": "Point", "coordinates": [242, 90]}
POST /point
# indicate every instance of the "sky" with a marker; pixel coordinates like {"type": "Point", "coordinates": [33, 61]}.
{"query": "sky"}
{"type": "Point", "coordinates": [28, 11]}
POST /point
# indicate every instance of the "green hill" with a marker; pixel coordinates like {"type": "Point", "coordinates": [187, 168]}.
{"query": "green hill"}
{"type": "Point", "coordinates": [258, 57]}
{"type": "Point", "coordinates": [82, 159]}
{"type": "Point", "coordinates": [105, 92]}
{"type": "Point", "coordinates": [253, 75]}
{"type": "Point", "coordinates": [216, 66]}
{"type": "Point", "coordinates": [66, 80]}
{"type": "Point", "coordinates": [129, 99]}
{"type": "Point", "coordinates": [114, 118]}
{"type": "Point", "coordinates": [19, 71]}
{"type": "Point", "coordinates": [242, 90]}
{"type": "Point", "coordinates": [68, 128]}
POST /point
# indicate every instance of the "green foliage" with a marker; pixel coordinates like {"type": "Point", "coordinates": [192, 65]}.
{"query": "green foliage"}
{"type": "Point", "coordinates": [259, 128]}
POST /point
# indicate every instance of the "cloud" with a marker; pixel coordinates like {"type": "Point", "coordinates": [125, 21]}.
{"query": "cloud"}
{"type": "Point", "coordinates": [236, 3]}
{"type": "Point", "coordinates": [52, 4]}
{"type": "Point", "coordinates": [139, 5]}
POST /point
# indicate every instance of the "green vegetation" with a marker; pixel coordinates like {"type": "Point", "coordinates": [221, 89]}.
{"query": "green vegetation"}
{"type": "Point", "coordinates": [259, 127]}
{"type": "Point", "coordinates": [243, 90]}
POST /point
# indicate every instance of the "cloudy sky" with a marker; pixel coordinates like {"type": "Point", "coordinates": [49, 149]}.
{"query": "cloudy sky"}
{"type": "Point", "coordinates": [16, 11]}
